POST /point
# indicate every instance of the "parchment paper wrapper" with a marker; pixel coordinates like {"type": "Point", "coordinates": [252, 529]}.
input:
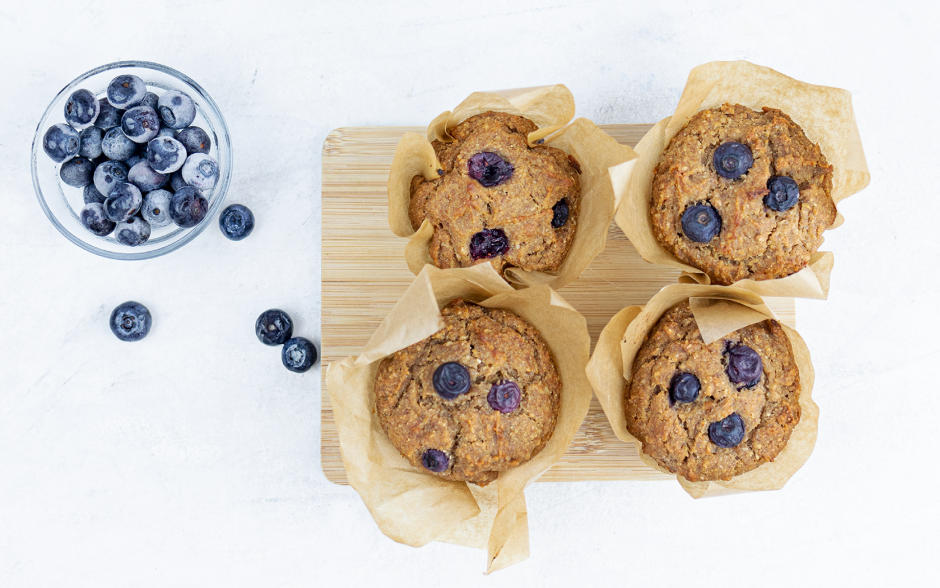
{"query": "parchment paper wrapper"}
{"type": "Point", "coordinates": [550, 107]}
{"type": "Point", "coordinates": [718, 310]}
{"type": "Point", "coordinates": [826, 116]}
{"type": "Point", "coordinates": [413, 507]}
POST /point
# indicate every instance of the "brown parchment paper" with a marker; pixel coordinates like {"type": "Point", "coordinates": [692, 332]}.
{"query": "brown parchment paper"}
{"type": "Point", "coordinates": [824, 113]}
{"type": "Point", "coordinates": [718, 310]}
{"type": "Point", "coordinates": [415, 508]}
{"type": "Point", "coordinates": [550, 107]}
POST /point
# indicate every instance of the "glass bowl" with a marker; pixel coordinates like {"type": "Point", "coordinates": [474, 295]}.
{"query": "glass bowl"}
{"type": "Point", "coordinates": [63, 204]}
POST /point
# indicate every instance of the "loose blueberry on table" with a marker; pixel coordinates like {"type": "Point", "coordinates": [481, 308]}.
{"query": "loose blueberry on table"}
{"type": "Point", "coordinates": [236, 222]}
{"type": "Point", "coordinates": [130, 321]}
{"type": "Point", "coordinates": [298, 354]}
{"type": "Point", "coordinates": [274, 327]}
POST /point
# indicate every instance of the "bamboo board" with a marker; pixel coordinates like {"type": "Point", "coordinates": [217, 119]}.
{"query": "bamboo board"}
{"type": "Point", "coordinates": [364, 274]}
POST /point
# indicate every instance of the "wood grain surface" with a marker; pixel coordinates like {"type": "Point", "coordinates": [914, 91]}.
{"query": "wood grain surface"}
{"type": "Point", "coordinates": [364, 274]}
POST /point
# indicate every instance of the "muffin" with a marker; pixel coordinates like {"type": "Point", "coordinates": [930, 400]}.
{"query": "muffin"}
{"type": "Point", "coordinates": [498, 199]}
{"type": "Point", "coordinates": [741, 194]}
{"type": "Point", "coordinates": [479, 396]}
{"type": "Point", "coordinates": [711, 412]}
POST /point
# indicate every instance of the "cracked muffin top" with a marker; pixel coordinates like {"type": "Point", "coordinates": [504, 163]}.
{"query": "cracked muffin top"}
{"type": "Point", "coordinates": [498, 199]}
{"type": "Point", "coordinates": [479, 396]}
{"type": "Point", "coordinates": [741, 194]}
{"type": "Point", "coordinates": [710, 412]}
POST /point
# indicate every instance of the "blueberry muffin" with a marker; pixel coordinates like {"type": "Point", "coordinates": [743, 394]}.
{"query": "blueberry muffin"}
{"type": "Point", "coordinates": [710, 412]}
{"type": "Point", "coordinates": [477, 397]}
{"type": "Point", "coordinates": [741, 194]}
{"type": "Point", "coordinates": [499, 200]}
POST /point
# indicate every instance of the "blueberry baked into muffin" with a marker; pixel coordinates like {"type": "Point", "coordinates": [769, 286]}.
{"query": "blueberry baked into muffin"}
{"type": "Point", "coordinates": [498, 199]}
{"type": "Point", "coordinates": [741, 194]}
{"type": "Point", "coordinates": [477, 397]}
{"type": "Point", "coordinates": [710, 412]}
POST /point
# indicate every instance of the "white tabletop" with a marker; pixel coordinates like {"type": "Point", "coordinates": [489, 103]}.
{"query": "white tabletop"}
{"type": "Point", "coordinates": [192, 458]}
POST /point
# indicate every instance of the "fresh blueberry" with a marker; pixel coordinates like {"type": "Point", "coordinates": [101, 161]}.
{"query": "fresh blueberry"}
{"type": "Point", "coordinates": [91, 194]}
{"type": "Point", "coordinates": [684, 387]}
{"type": "Point", "coordinates": [450, 380]}
{"type": "Point", "coordinates": [95, 220]}
{"type": "Point", "coordinates": [744, 365]}
{"type": "Point", "coordinates": [130, 321]}
{"type": "Point", "coordinates": [188, 207]}
{"type": "Point", "coordinates": [156, 208]}
{"type": "Point", "coordinates": [236, 222]}
{"type": "Point", "coordinates": [90, 142]}
{"type": "Point", "coordinates": [701, 223]}
{"type": "Point", "coordinates": [115, 145]}
{"type": "Point", "coordinates": [109, 174]}
{"type": "Point", "coordinates": [108, 116]}
{"type": "Point", "coordinates": [195, 140]}
{"type": "Point", "coordinates": [144, 177]}
{"type": "Point", "coordinates": [784, 192]}
{"type": "Point", "coordinates": [504, 397]}
{"type": "Point", "coordinates": [177, 109]}
{"type": "Point", "coordinates": [728, 432]}
{"type": "Point", "coordinates": [151, 100]}
{"type": "Point", "coordinates": [201, 171]}
{"type": "Point", "coordinates": [133, 160]}
{"type": "Point", "coordinates": [126, 91]}
{"type": "Point", "coordinates": [732, 160]}
{"type": "Point", "coordinates": [274, 327]}
{"type": "Point", "coordinates": [123, 202]}
{"type": "Point", "coordinates": [488, 243]}
{"type": "Point", "coordinates": [140, 124]}
{"type": "Point", "coordinates": [61, 142]}
{"type": "Point", "coordinates": [165, 154]}
{"type": "Point", "coordinates": [77, 172]}
{"type": "Point", "coordinates": [133, 232]}
{"type": "Point", "coordinates": [560, 213]}
{"type": "Point", "coordinates": [489, 169]}
{"type": "Point", "coordinates": [177, 182]}
{"type": "Point", "coordinates": [81, 109]}
{"type": "Point", "coordinates": [298, 355]}
{"type": "Point", "coordinates": [435, 460]}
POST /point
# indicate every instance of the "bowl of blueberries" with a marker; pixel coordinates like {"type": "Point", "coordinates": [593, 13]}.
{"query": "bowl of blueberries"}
{"type": "Point", "coordinates": [131, 160]}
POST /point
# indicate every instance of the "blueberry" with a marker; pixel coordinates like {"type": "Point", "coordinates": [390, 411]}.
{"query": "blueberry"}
{"type": "Point", "coordinates": [91, 194]}
{"type": "Point", "coordinates": [166, 132]}
{"type": "Point", "coordinates": [732, 160]}
{"type": "Point", "coordinates": [188, 207]}
{"type": "Point", "coordinates": [115, 145]}
{"type": "Point", "coordinates": [130, 321]}
{"type": "Point", "coordinates": [701, 223]}
{"type": "Point", "coordinates": [144, 177]}
{"type": "Point", "coordinates": [108, 174]}
{"type": "Point", "coordinates": [298, 355]}
{"type": "Point", "coordinates": [784, 192]}
{"type": "Point", "coordinates": [61, 142]}
{"type": "Point", "coordinates": [151, 100]}
{"type": "Point", "coordinates": [194, 139]}
{"type": "Point", "coordinates": [95, 220]}
{"type": "Point", "coordinates": [177, 109]}
{"type": "Point", "coordinates": [560, 213]}
{"type": "Point", "coordinates": [728, 432]}
{"type": "Point", "coordinates": [77, 172]}
{"type": "Point", "coordinates": [744, 365]}
{"type": "Point", "coordinates": [165, 154]}
{"type": "Point", "coordinates": [274, 327]}
{"type": "Point", "coordinates": [684, 387]}
{"type": "Point", "coordinates": [488, 243]}
{"type": "Point", "coordinates": [177, 182]}
{"type": "Point", "coordinates": [200, 171]}
{"type": "Point", "coordinates": [81, 109]}
{"type": "Point", "coordinates": [90, 142]}
{"type": "Point", "coordinates": [435, 460]}
{"type": "Point", "coordinates": [156, 208]}
{"type": "Point", "coordinates": [140, 124]}
{"type": "Point", "coordinates": [489, 169]}
{"type": "Point", "coordinates": [236, 222]}
{"type": "Point", "coordinates": [133, 160]}
{"type": "Point", "coordinates": [123, 202]}
{"type": "Point", "coordinates": [135, 231]}
{"type": "Point", "coordinates": [504, 397]}
{"type": "Point", "coordinates": [126, 91]}
{"type": "Point", "coordinates": [450, 380]}
{"type": "Point", "coordinates": [108, 116]}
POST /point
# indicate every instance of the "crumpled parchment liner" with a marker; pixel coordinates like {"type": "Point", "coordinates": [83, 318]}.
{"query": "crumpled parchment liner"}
{"type": "Point", "coordinates": [825, 115]}
{"type": "Point", "coordinates": [413, 507]}
{"type": "Point", "coordinates": [550, 107]}
{"type": "Point", "coordinates": [718, 310]}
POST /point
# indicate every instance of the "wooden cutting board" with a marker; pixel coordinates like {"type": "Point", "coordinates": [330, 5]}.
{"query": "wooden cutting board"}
{"type": "Point", "coordinates": [364, 274]}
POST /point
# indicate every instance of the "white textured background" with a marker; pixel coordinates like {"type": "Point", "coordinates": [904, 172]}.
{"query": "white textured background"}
{"type": "Point", "coordinates": [192, 457]}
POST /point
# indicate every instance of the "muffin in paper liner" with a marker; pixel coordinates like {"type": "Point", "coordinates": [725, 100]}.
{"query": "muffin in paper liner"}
{"type": "Point", "coordinates": [826, 117]}
{"type": "Point", "coordinates": [413, 507]}
{"type": "Point", "coordinates": [718, 311]}
{"type": "Point", "coordinates": [551, 108]}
